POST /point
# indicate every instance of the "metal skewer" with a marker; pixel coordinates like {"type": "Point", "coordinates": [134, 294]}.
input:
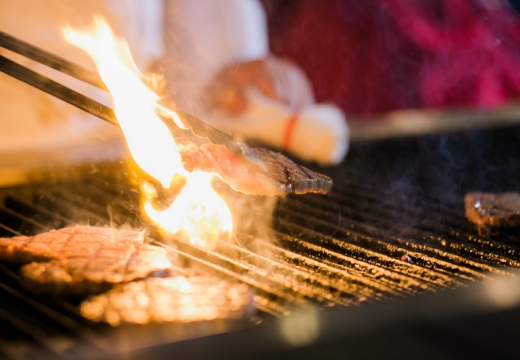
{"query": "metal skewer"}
{"type": "Point", "coordinates": [56, 89]}
{"type": "Point", "coordinates": [48, 59]}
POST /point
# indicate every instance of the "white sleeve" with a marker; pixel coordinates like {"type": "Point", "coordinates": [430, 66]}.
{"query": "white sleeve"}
{"type": "Point", "coordinates": [203, 36]}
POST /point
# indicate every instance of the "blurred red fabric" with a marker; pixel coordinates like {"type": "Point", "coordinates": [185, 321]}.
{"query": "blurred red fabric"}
{"type": "Point", "coordinates": [375, 56]}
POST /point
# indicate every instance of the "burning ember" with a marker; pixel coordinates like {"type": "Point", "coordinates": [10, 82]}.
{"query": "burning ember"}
{"type": "Point", "coordinates": [198, 212]}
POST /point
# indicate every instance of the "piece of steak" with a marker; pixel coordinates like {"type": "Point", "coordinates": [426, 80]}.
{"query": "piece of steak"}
{"type": "Point", "coordinates": [493, 209]}
{"type": "Point", "coordinates": [83, 259]}
{"type": "Point", "coordinates": [71, 240]}
{"type": "Point", "coordinates": [180, 299]}
{"type": "Point", "coordinates": [280, 175]}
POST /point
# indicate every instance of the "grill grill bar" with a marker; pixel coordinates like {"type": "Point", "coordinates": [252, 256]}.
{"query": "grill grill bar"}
{"type": "Point", "coordinates": [278, 288]}
{"type": "Point", "coordinates": [48, 328]}
{"type": "Point", "coordinates": [417, 228]}
{"type": "Point", "coordinates": [382, 233]}
{"type": "Point", "coordinates": [420, 224]}
{"type": "Point", "coordinates": [335, 278]}
{"type": "Point", "coordinates": [417, 223]}
{"type": "Point", "coordinates": [246, 265]}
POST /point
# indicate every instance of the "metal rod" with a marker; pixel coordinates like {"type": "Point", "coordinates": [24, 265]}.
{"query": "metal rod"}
{"type": "Point", "coordinates": [48, 59]}
{"type": "Point", "coordinates": [62, 92]}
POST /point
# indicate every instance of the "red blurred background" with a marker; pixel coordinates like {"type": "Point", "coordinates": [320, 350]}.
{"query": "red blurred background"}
{"type": "Point", "coordinates": [375, 56]}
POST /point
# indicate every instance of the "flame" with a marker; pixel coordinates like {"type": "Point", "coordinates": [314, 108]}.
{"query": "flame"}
{"type": "Point", "coordinates": [198, 212]}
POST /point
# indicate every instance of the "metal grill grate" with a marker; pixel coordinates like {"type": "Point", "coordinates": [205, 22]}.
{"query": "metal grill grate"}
{"type": "Point", "coordinates": [393, 226]}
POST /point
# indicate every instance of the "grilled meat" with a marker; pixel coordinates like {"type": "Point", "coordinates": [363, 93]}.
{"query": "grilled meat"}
{"type": "Point", "coordinates": [493, 209]}
{"type": "Point", "coordinates": [64, 242]}
{"type": "Point", "coordinates": [281, 175]}
{"type": "Point", "coordinates": [95, 271]}
{"type": "Point", "coordinates": [83, 259]}
{"type": "Point", "coordinates": [181, 299]}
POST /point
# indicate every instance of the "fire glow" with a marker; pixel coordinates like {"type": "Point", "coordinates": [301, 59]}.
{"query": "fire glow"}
{"type": "Point", "coordinates": [198, 212]}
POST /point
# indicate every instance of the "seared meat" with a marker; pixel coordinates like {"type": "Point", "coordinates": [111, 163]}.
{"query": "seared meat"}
{"type": "Point", "coordinates": [182, 299]}
{"type": "Point", "coordinates": [83, 259]}
{"type": "Point", "coordinates": [281, 175]}
{"type": "Point", "coordinates": [95, 271]}
{"type": "Point", "coordinates": [493, 209]}
{"type": "Point", "coordinates": [71, 241]}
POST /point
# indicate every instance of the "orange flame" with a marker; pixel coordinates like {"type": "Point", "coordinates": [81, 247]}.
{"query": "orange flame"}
{"type": "Point", "coordinates": [198, 211]}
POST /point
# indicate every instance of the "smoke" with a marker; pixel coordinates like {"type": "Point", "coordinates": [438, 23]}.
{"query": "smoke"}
{"type": "Point", "coordinates": [252, 218]}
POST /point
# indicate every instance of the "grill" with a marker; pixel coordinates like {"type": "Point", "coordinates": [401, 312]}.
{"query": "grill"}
{"type": "Point", "coordinates": [392, 227]}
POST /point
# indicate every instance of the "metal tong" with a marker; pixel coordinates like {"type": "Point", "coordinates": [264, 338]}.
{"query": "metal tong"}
{"type": "Point", "coordinates": [197, 127]}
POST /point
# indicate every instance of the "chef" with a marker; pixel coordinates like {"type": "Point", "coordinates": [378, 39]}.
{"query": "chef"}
{"type": "Point", "coordinates": [216, 59]}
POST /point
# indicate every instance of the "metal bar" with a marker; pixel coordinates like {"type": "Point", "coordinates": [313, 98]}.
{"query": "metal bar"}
{"type": "Point", "coordinates": [419, 227]}
{"type": "Point", "coordinates": [323, 260]}
{"type": "Point", "coordinates": [48, 59]}
{"type": "Point", "coordinates": [381, 254]}
{"type": "Point", "coordinates": [308, 271]}
{"type": "Point", "coordinates": [61, 92]}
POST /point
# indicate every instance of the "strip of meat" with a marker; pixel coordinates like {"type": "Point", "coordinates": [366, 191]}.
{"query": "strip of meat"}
{"type": "Point", "coordinates": [83, 259]}
{"type": "Point", "coordinates": [493, 209]}
{"type": "Point", "coordinates": [281, 175]}
{"type": "Point", "coordinates": [181, 299]}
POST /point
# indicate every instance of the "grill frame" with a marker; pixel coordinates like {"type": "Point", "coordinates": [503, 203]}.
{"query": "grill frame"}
{"type": "Point", "coordinates": [364, 247]}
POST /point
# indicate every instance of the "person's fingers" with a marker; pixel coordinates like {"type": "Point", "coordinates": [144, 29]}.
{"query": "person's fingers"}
{"type": "Point", "coordinates": [292, 86]}
{"type": "Point", "coordinates": [276, 78]}
{"type": "Point", "coordinates": [233, 101]}
{"type": "Point", "coordinates": [258, 75]}
{"type": "Point", "coordinates": [225, 94]}
{"type": "Point", "coordinates": [300, 88]}
{"type": "Point", "coordinates": [278, 72]}
{"type": "Point", "coordinates": [264, 82]}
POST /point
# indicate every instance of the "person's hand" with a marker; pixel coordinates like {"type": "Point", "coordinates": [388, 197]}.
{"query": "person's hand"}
{"type": "Point", "coordinates": [274, 77]}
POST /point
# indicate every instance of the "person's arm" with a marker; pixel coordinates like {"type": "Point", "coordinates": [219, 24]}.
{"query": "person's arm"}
{"type": "Point", "coordinates": [216, 49]}
{"type": "Point", "coordinates": [220, 70]}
